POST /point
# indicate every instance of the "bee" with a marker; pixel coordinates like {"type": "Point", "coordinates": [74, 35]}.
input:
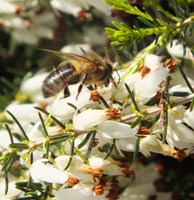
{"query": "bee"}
{"type": "Point", "coordinates": [84, 69]}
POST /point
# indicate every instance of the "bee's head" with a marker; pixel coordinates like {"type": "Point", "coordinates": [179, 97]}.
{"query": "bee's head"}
{"type": "Point", "coordinates": [108, 74]}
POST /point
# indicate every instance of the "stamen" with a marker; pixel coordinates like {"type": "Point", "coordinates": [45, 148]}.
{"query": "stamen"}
{"type": "Point", "coordinates": [170, 63]}
{"type": "Point", "coordinates": [95, 95]}
{"type": "Point", "coordinates": [112, 112]}
{"type": "Point", "coordinates": [72, 181]}
{"type": "Point", "coordinates": [144, 70]}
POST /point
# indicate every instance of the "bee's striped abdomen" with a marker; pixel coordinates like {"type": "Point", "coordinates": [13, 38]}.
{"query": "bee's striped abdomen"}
{"type": "Point", "coordinates": [57, 79]}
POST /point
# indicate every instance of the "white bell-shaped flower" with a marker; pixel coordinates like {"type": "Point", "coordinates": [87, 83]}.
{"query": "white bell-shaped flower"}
{"type": "Point", "coordinates": [89, 118]}
{"type": "Point", "coordinates": [177, 50]}
{"type": "Point", "coordinates": [112, 130]}
{"type": "Point", "coordinates": [41, 170]}
{"type": "Point", "coordinates": [189, 117]}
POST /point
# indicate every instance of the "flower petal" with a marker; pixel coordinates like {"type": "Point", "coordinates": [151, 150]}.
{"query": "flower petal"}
{"type": "Point", "coordinates": [5, 139]}
{"type": "Point", "coordinates": [189, 118]}
{"type": "Point", "coordinates": [43, 171]}
{"type": "Point", "coordinates": [179, 132]}
{"type": "Point", "coordinates": [177, 50]}
{"type": "Point", "coordinates": [147, 87]}
{"type": "Point", "coordinates": [112, 129]}
{"type": "Point", "coordinates": [89, 119]}
{"type": "Point", "coordinates": [78, 193]}
{"type": "Point", "coordinates": [23, 112]}
{"type": "Point", "coordinates": [62, 109]}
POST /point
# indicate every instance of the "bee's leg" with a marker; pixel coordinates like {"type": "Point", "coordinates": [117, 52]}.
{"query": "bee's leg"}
{"type": "Point", "coordinates": [113, 81]}
{"type": "Point", "coordinates": [66, 92]}
{"type": "Point", "coordinates": [81, 85]}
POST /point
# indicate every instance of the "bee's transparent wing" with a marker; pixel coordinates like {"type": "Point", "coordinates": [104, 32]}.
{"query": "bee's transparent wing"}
{"type": "Point", "coordinates": [71, 56]}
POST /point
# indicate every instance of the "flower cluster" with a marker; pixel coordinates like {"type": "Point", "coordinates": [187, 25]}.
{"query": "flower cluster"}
{"type": "Point", "coordinates": [96, 142]}
{"type": "Point", "coordinates": [77, 143]}
{"type": "Point", "coordinates": [27, 22]}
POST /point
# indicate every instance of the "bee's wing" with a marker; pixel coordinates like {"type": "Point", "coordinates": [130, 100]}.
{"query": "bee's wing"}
{"type": "Point", "coordinates": [71, 56]}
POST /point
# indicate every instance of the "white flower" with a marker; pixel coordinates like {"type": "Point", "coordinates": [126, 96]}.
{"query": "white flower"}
{"type": "Point", "coordinates": [23, 112]}
{"type": "Point", "coordinates": [189, 117]}
{"type": "Point", "coordinates": [177, 50]}
{"type": "Point", "coordinates": [15, 22]}
{"type": "Point", "coordinates": [13, 192]}
{"type": "Point", "coordinates": [146, 84]}
{"type": "Point", "coordinates": [142, 187]}
{"type": "Point", "coordinates": [77, 168]}
{"type": "Point", "coordinates": [34, 133]}
{"type": "Point", "coordinates": [8, 8]}
{"type": "Point", "coordinates": [112, 130]}
{"type": "Point", "coordinates": [31, 31]}
{"type": "Point", "coordinates": [27, 25]}
{"type": "Point", "coordinates": [70, 7]}
{"type": "Point", "coordinates": [148, 143]}
{"type": "Point", "coordinates": [178, 134]}
{"type": "Point", "coordinates": [108, 166]}
{"type": "Point", "coordinates": [146, 87]}
{"type": "Point", "coordinates": [100, 5]}
{"type": "Point", "coordinates": [184, 146]}
{"type": "Point", "coordinates": [152, 144]}
{"type": "Point", "coordinates": [96, 167]}
{"type": "Point", "coordinates": [23, 36]}
{"type": "Point", "coordinates": [77, 141]}
{"type": "Point", "coordinates": [73, 7]}
{"type": "Point", "coordinates": [63, 110]}
{"type": "Point", "coordinates": [179, 88]}
{"type": "Point", "coordinates": [5, 139]}
{"type": "Point", "coordinates": [88, 119]}
{"type": "Point", "coordinates": [153, 61]}
{"type": "Point", "coordinates": [78, 193]}
{"type": "Point", "coordinates": [96, 162]}
{"type": "Point", "coordinates": [33, 37]}
{"type": "Point", "coordinates": [126, 144]}
{"type": "Point", "coordinates": [41, 170]}
{"type": "Point", "coordinates": [143, 191]}
{"type": "Point", "coordinates": [62, 161]}
{"type": "Point", "coordinates": [119, 91]}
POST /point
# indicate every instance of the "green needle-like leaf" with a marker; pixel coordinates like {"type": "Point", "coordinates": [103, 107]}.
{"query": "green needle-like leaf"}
{"type": "Point", "coordinates": [18, 123]}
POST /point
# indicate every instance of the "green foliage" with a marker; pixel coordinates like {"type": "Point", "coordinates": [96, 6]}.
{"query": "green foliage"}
{"type": "Point", "coordinates": [154, 21]}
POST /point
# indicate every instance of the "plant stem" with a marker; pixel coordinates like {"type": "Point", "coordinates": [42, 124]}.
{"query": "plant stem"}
{"type": "Point", "coordinates": [154, 111]}
{"type": "Point", "coordinates": [166, 103]}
